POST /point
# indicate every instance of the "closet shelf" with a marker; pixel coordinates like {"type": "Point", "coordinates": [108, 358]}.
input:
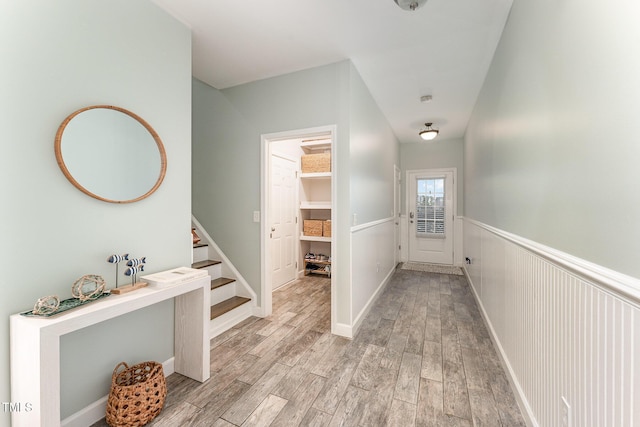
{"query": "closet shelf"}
{"type": "Point", "coordinates": [310, 147]}
{"type": "Point", "coordinates": [315, 205]}
{"type": "Point", "coordinates": [316, 175]}
{"type": "Point", "coordinates": [315, 238]}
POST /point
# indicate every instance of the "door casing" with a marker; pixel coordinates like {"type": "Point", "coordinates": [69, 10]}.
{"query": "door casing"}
{"type": "Point", "coordinates": [266, 287]}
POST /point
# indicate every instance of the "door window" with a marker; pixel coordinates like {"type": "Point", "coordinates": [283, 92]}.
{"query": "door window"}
{"type": "Point", "coordinates": [430, 208]}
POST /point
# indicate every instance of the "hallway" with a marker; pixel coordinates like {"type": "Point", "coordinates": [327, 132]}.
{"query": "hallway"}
{"type": "Point", "coordinates": [422, 357]}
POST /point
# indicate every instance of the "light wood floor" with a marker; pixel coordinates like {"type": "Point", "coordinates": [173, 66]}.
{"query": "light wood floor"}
{"type": "Point", "coordinates": [422, 357]}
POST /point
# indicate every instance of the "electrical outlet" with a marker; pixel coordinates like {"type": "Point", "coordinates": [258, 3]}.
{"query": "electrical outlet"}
{"type": "Point", "coordinates": [566, 413]}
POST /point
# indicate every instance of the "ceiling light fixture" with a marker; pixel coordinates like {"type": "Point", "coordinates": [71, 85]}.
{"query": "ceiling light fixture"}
{"type": "Point", "coordinates": [429, 133]}
{"type": "Point", "coordinates": [410, 4]}
{"type": "Point", "coordinates": [426, 98]}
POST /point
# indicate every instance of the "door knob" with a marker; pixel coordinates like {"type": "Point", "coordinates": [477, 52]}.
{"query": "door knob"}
{"type": "Point", "coordinates": [273, 229]}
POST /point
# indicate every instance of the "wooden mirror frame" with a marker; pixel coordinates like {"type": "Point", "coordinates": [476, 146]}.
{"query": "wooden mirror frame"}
{"type": "Point", "coordinates": [67, 174]}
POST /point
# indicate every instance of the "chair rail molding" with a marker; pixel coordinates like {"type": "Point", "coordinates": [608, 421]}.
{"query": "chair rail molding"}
{"type": "Point", "coordinates": [619, 284]}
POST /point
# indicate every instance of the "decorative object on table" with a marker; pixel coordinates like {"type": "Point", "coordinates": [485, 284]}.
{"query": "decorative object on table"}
{"type": "Point", "coordinates": [46, 305]}
{"type": "Point", "coordinates": [133, 272]}
{"type": "Point", "coordinates": [135, 266]}
{"type": "Point", "coordinates": [115, 259]}
{"type": "Point", "coordinates": [195, 236]}
{"type": "Point", "coordinates": [137, 394]}
{"type": "Point", "coordinates": [137, 261]}
{"type": "Point", "coordinates": [88, 287]}
{"type": "Point", "coordinates": [64, 305]}
{"type": "Point", "coordinates": [173, 277]}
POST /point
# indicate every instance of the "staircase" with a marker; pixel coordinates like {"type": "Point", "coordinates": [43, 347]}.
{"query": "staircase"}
{"type": "Point", "coordinates": [231, 302]}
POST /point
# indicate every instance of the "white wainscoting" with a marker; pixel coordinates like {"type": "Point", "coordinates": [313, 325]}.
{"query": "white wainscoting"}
{"type": "Point", "coordinates": [372, 264]}
{"type": "Point", "coordinates": [565, 328]}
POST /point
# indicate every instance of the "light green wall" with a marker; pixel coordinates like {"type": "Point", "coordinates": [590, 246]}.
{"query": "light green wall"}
{"type": "Point", "coordinates": [436, 154]}
{"type": "Point", "coordinates": [58, 57]}
{"type": "Point", "coordinates": [551, 152]}
{"type": "Point", "coordinates": [227, 126]}
{"type": "Point", "coordinates": [373, 153]}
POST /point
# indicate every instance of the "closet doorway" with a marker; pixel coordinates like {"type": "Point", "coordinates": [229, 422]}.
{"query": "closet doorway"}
{"type": "Point", "coordinates": [298, 208]}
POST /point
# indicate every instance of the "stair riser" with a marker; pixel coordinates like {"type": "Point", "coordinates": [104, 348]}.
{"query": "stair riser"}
{"type": "Point", "coordinates": [229, 319]}
{"type": "Point", "coordinates": [200, 254]}
{"type": "Point", "coordinates": [215, 271]}
{"type": "Point", "coordinates": [223, 293]}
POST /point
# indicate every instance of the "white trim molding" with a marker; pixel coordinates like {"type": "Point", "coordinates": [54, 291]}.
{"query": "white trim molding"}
{"type": "Point", "coordinates": [565, 328]}
{"type": "Point", "coordinates": [619, 284]}
{"type": "Point", "coordinates": [266, 287]}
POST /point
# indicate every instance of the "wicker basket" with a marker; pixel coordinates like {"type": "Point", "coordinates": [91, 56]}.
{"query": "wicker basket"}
{"type": "Point", "coordinates": [137, 394]}
{"type": "Point", "coordinates": [312, 227]}
{"type": "Point", "coordinates": [326, 228]}
{"type": "Point", "coordinates": [314, 163]}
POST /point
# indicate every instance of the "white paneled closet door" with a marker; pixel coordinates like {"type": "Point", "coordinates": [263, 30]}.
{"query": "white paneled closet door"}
{"type": "Point", "coordinates": [283, 220]}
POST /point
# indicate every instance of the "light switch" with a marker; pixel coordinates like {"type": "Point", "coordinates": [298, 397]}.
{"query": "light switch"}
{"type": "Point", "coordinates": [256, 216]}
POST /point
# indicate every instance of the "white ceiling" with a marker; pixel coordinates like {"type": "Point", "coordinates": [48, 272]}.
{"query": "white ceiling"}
{"type": "Point", "coordinates": [443, 49]}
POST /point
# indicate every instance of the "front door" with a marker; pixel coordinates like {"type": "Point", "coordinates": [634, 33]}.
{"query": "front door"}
{"type": "Point", "coordinates": [283, 220]}
{"type": "Point", "coordinates": [430, 214]}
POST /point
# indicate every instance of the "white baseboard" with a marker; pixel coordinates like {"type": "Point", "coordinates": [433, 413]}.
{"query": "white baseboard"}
{"type": "Point", "coordinates": [363, 313]}
{"type": "Point", "coordinates": [96, 410]}
{"type": "Point", "coordinates": [519, 394]}
{"type": "Point", "coordinates": [343, 330]}
{"type": "Point", "coordinates": [257, 311]}
{"type": "Point", "coordinates": [349, 331]}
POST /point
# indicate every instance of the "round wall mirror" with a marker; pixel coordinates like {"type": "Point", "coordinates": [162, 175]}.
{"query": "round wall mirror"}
{"type": "Point", "coordinates": [111, 154]}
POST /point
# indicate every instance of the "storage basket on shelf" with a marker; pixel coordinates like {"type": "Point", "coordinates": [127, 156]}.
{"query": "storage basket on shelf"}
{"type": "Point", "coordinates": [137, 394]}
{"type": "Point", "coordinates": [314, 163]}
{"type": "Point", "coordinates": [312, 227]}
{"type": "Point", "coordinates": [326, 228]}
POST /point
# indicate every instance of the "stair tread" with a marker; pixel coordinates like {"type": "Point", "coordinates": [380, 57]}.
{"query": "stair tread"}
{"type": "Point", "coordinates": [205, 264]}
{"type": "Point", "coordinates": [227, 305]}
{"type": "Point", "coordinates": [200, 245]}
{"type": "Point", "coordinates": [221, 281]}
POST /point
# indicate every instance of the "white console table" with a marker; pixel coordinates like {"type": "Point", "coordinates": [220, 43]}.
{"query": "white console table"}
{"type": "Point", "coordinates": [35, 344]}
